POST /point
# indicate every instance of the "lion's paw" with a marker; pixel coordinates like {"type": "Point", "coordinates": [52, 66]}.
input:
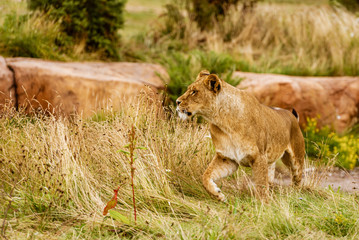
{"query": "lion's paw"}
{"type": "Point", "coordinates": [221, 197]}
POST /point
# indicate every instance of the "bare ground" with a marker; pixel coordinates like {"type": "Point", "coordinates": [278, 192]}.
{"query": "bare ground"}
{"type": "Point", "coordinates": [344, 180]}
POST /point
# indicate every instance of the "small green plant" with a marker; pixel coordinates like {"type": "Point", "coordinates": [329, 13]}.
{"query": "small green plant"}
{"type": "Point", "coordinates": [323, 143]}
{"type": "Point", "coordinates": [112, 203]}
{"type": "Point", "coordinates": [131, 155]}
{"type": "Point", "coordinates": [114, 214]}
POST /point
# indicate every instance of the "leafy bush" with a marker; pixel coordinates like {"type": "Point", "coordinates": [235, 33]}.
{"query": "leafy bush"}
{"type": "Point", "coordinates": [30, 36]}
{"type": "Point", "coordinates": [325, 144]}
{"type": "Point", "coordinates": [95, 21]}
{"type": "Point", "coordinates": [183, 69]}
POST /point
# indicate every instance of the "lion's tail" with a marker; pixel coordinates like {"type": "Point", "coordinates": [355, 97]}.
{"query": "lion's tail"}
{"type": "Point", "coordinates": [295, 114]}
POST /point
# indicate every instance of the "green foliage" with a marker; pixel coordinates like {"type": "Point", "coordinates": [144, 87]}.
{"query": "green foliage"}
{"type": "Point", "coordinates": [174, 24]}
{"type": "Point", "coordinates": [119, 217]}
{"type": "Point", "coordinates": [281, 227]}
{"type": "Point", "coordinates": [30, 36]}
{"type": "Point", "coordinates": [183, 69]}
{"type": "Point", "coordinates": [95, 21]}
{"type": "Point", "coordinates": [325, 144]}
{"type": "Point", "coordinates": [337, 224]}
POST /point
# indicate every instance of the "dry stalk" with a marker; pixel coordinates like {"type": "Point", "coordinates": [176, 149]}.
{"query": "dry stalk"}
{"type": "Point", "coordinates": [132, 146]}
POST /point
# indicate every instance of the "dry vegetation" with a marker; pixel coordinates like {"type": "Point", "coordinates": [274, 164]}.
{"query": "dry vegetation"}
{"type": "Point", "coordinates": [282, 38]}
{"type": "Point", "coordinates": [57, 175]}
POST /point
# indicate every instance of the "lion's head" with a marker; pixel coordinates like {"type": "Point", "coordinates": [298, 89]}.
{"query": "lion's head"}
{"type": "Point", "coordinates": [200, 96]}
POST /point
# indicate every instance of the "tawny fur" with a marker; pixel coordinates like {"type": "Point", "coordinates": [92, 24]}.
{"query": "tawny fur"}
{"type": "Point", "coordinates": [244, 132]}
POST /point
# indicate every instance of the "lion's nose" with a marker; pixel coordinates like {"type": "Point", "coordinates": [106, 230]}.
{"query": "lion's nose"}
{"type": "Point", "coordinates": [178, 102]}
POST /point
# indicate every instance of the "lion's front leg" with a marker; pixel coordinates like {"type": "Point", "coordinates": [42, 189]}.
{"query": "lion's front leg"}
{"type": "Point", "coordinates": [260, 176]}
{"type": "Point", "coordinates": [220, 167]}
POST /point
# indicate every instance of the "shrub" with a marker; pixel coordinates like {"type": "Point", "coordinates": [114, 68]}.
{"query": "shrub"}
{"type": "Point", "coordinates": [30, 36]}
{"type": "Point", "coordinates": [324, 144]}
{"type": "Point", "coordinates": [95, 21]}
{"type": "Point", "coordinates": [183, 69]}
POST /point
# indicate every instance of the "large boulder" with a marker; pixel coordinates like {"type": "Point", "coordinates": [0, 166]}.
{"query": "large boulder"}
{"type": "Point", "coordinates": [81, 87]}
{"type": "Point", "coordinates": [334, 101]}
{"type": "Point", "coordinates": [7, 86]}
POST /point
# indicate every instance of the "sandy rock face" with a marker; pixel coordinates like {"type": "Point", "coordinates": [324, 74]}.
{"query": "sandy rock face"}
{"type": "Point", "coordinates": [81, 87]}
{"type": "Point", "coordinates": [7, 87]}
{"type": "Point", "coordinates": [334, 99]}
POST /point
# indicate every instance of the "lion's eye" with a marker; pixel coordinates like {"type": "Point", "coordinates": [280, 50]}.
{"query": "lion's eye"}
{"type": "Point", "coordinates": [193, 92]}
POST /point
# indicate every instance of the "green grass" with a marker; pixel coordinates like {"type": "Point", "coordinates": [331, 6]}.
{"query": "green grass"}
{"type": "Point", "coordinates": [11, 6]}
{"type": "Point", "coordinates": [134, 22]}
{"type": "Point", "coordinates": [139, 15]}
{"type": "Point", "coordinates": [30, 36]}
{"type": "Point", "coordinates": [63, 172]}
{"type": "Point", "coordinates": [148, 4]}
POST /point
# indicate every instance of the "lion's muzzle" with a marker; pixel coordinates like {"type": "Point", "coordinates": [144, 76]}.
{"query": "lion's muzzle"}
{"type": "Point", "coordinates": [183, 114]}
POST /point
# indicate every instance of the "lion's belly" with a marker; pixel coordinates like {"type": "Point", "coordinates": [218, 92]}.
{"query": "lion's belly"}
{"type": "Point", "coordinates": [244, 155]}
{"type": "Point", "coordinates": [236, 154]}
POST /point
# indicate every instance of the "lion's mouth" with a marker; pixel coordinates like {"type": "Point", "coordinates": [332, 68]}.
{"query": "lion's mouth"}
{"type": "Point", "coordinates": [183, 114]}
{"type": "Point", "coordinates": [188, 113]}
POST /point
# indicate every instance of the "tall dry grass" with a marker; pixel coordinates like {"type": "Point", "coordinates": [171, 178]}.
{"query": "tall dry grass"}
{"type": "Point", "coordinates": [67, 169]}
{"type": "Point", "coordinates": [57, 174]}
{"type": "Point", "coordinates": [283, 38]}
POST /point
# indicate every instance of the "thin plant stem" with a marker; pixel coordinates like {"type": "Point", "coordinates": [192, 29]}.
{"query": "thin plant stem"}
{"type": "Point", "coordinates": [132, 160]}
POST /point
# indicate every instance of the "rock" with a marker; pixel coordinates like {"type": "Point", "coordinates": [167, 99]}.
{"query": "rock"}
{"type": "Point", "coordinates": [7, 89]}
{"type": "Point", "coordinates": [333, 100]}
{"type": "Point", "coordinates": [81, 87]}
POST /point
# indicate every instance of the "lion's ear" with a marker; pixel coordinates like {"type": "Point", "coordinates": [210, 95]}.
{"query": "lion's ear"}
{"type": "Point", "coordinates": [202, 74]}
{"type": "Point", "coordinates": [213, 83]}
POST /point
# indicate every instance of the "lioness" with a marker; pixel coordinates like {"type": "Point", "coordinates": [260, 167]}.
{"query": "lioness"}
{"type": "Point", "coordinates": [244, 132]}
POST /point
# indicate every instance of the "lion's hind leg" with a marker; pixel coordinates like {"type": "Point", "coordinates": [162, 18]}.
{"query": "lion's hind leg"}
{"type": "Point", "coordinates": [220, 167]}
{"type": "Point", "coordinates": [295, 165]}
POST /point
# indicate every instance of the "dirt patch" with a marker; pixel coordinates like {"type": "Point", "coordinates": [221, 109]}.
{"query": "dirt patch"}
{"type": "Point", "coordinates": [347, 181]}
